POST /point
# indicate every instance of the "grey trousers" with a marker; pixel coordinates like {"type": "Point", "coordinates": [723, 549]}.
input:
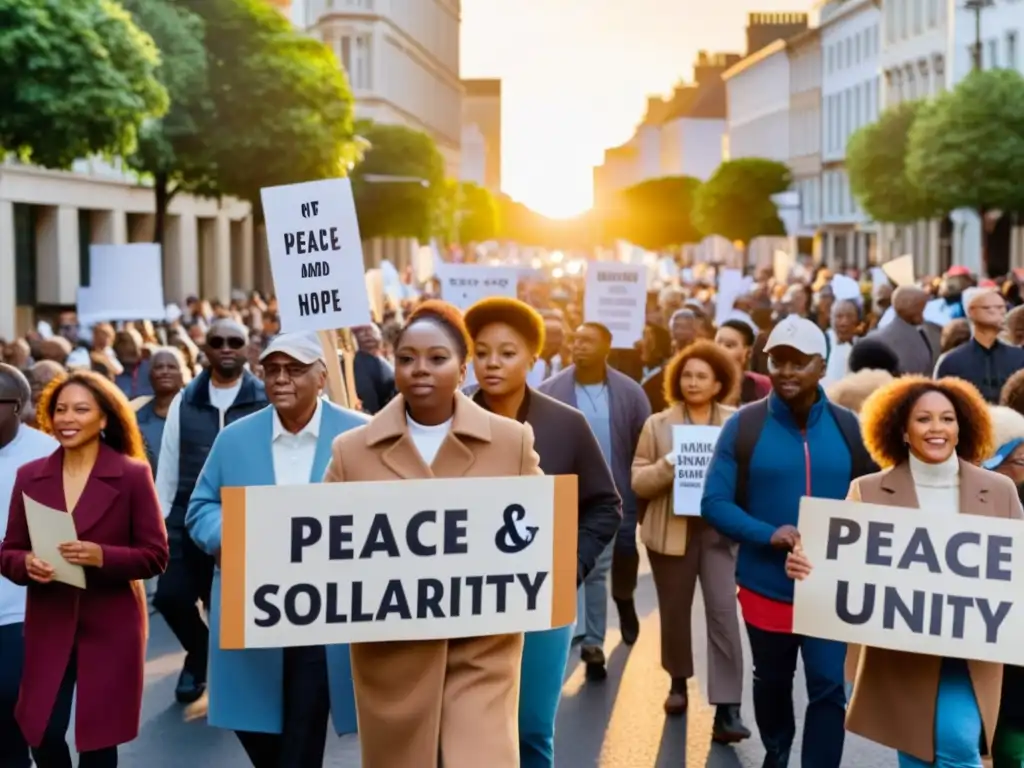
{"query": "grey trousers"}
{"type": "Point", "coordinates": [712, 558]}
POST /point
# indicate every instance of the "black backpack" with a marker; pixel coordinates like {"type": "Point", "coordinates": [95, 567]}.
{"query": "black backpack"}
{"type": "Point", "coordinates": [752, 418]}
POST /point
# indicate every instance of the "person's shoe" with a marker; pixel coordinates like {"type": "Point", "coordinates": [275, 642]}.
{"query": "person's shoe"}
{"type": "Point", "coordinates": [189, 688]}
{"type": "Point", "coordinates": [729, 727]}
{"type": "Point", "coordinates": [629, 622]}
{"type": "Point", "coordinates": [593, 657]}
{"type": "Point", "coordinates": [677, 702]}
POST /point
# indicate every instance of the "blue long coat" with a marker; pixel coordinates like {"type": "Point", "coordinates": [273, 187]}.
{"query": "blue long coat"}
{"type": "Point", "coordinates": [246, 687]}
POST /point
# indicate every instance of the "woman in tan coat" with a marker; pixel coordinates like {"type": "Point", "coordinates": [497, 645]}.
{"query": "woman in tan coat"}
{"type": "Point", "coordinates": [682, 547]}
{"type": "Point", "coordinates": [430, 702]}
{"type": "Point", "coordinates": [929, 435]}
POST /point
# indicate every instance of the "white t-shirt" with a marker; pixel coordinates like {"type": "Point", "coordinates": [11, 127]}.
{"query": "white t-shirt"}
{"type": "Point", "coordinates": [28, 445]}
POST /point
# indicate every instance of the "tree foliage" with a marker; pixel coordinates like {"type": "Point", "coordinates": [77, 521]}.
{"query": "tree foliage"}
{"type": "Point", "coordinates": [966, 147]}
{"type": "Point", "coordinates": [282, 108]}
{"type": "Point", "coordinates": [468, 213]}
{"type": "Point", "coordinates": [77, 78]}
{"type": "Point", "coordinates": [655, 214]}
{"type": "Point", "coordinates": [876, 157]}
{"type": "Point", "coordinates": [399, 185]}
{"type": "Point", "coordinates": [736, 201]}
{"type": "Point", "coordinates": [173, 149]}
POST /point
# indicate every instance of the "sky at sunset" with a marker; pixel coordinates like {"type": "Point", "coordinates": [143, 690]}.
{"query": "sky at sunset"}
{"type": "Point", "coordinates": [576, 74]}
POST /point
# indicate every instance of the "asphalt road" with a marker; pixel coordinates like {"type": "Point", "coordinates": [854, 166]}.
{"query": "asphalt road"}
{"type": "Point", "coordinates": [615, 724]}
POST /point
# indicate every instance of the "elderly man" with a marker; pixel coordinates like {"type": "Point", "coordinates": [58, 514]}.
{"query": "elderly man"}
{"type": "Point", "coordinates": [277, 701]}
{"type": "Point", "coordinates": [914, 341]}
{"type": "Point", "coordinates": [985, 361]}
{"type": "Point", "coordinates": [19, 445]}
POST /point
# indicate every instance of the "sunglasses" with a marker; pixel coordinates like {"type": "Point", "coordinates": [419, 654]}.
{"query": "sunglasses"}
{"type": "Point", "coordinates": [219, 342]}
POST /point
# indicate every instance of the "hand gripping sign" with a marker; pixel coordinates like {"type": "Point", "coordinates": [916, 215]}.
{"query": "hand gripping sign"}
{"type": "Point", "coordinates": [402, 560]}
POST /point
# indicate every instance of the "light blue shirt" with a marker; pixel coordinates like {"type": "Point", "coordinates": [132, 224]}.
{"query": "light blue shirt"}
{"type": "Point", "coordinates": [28, 445]}
{"type": "Point", "coordinates": [592, 400]}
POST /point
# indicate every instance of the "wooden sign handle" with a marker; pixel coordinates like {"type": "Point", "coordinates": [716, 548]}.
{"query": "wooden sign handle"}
{"type": "Point", "coordinates": [336, 389]}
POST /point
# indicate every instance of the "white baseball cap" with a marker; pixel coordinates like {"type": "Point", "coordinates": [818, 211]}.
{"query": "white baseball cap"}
{"type": "Point", "coordinates": [799, 334]}
{"type": "Point", "coordinates": [304, 347]}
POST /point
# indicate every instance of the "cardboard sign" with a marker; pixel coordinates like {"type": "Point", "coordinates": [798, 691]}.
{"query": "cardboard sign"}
{"type": "Point", "coordinates": [126, 282]}
{"type": "Point", "coordinates": [912, 580]}
{"type": "Point", "coordinates": [694, 446]}
{"type": "Point", "coordinates": [316, 256]}
{"type": "Point", "coordinates": [465, 284]}
{"type": "Point", "coordinates": [403, 560]}
{"type": "Point", "coordinates": [616, 297]}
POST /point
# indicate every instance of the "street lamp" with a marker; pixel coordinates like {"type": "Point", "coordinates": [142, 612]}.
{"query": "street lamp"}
{"type": "Point", "coordinates": [977, 6]}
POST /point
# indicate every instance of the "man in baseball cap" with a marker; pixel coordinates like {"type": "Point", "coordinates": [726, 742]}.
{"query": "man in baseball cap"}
{"type": "Point", "coordinates": [773, 452]}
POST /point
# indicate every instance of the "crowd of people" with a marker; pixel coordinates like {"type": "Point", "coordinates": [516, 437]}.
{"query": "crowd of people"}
{"type": "Point", "coordinates": [135, 430]}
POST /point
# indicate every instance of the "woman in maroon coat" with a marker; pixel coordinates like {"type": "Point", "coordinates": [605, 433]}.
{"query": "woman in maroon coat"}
{"type": "Point", "coordinates": [94, 637]}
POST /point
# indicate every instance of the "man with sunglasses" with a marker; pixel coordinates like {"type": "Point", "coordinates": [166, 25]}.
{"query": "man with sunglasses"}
{"type": "Point", "coordinates": [19, 444]}
{"type": "Point", "coordinates": [223, 393]}
{"type": "Point", "coordinates": [791, 444]}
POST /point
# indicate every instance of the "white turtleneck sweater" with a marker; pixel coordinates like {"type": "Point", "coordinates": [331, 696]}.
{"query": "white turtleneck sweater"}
{"type": "Point", "coordinates": [428, 439]}
{"type": "Point", "coordinates": [937, 485]}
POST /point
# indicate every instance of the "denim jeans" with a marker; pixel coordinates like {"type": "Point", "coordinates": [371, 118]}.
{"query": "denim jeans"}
{"type": "Point", "coordinates": [594, 619]}
{"type": "Point", "coordinates": [957, 722]}
{"type": "Point", "coordinates": [545, 655]}
{"type": "Point", "coordinates": [774, 656]}
{"type": "Point", "coordinates": [13, 749]}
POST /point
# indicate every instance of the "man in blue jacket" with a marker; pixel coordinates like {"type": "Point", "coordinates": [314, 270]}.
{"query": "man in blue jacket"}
{"type": "Point", "coordinates": [794, 443]}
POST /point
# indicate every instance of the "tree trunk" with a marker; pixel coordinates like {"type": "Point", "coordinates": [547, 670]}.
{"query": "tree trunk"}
{"type": "Point", "coordinates": [983, 271]}
{"type": "Point", "coordinates": [163, 199]}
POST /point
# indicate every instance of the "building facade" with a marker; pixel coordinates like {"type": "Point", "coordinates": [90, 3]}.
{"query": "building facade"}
{"type": "Point", "coordinates": [758, 103]}
{"type": "Point", "coordinates": [804, 51]}
{"type": "Point", "coordinates": [481, 133]}
{"type": "Point", "coordinates": [48, 219]}
{"type": "Point", "coordinates": [402, 60]}
{"type": "Point", "coordinates": [850, 95]}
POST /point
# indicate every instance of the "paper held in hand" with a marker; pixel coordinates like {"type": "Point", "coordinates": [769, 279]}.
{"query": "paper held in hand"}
{"type": "Point", "coordinates": [694, 444]}
{"type": "Point", "coordinates": [48, 528]}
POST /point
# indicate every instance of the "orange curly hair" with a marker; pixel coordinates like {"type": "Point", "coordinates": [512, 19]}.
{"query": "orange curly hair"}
{"type": "Point", "coordinates": [724, 367]}
{"type": "Point", "coordinates": [448, 316]}
{"type": "Point", "coordinates": [884, 417]}
{"type": "Point", "coordinates": [122, 430]}
{"type": "Point", "coordinates": [518, 315]}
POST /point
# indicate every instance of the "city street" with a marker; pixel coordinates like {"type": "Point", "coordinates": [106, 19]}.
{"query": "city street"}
{"type": "Point", "coordinates": [617, 724]}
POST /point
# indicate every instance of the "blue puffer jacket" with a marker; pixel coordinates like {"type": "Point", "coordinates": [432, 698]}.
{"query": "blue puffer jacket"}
{"type": "Point", "coordinates": [787, 463]}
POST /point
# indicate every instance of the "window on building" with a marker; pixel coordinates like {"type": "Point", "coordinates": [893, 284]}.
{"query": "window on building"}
{"type": "Point", "coordinates": [1011, 49]}
{"type": "Point", "coordinates": [84, 240]}
{"type": "Point", "coordinates": [345, 53]}
{"type": "Point", "coordinates": [24, 255]}
{"type": "Point", "coordinates": [933, 13]}
{"type": "Point", "coordinates": [361, 63]}
{"type": "Point", "coordinates": [918, 16]}
{"type": "Point", "coordinates": [993, 54]}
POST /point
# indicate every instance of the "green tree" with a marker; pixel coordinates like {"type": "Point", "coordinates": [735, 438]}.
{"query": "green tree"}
{"type": "Point", "coordinates": [876, 157]}
{"type": "Point", "coordinates": [399, 186]}
{"type": "Point", "coordinates": [281, 106]}
{"type": "Point", "coordinates": [172, 149]}
{"type": "Point", "coordinates": [736, 201]}
{"type": "Point", "coordinates": [966, 147]}
{"type": "Point", "coordinates": [468, 213]}
{"type": "Point", "coordinates": [77, 78]}
{"type": "Point", "coordinates": [656, 213]}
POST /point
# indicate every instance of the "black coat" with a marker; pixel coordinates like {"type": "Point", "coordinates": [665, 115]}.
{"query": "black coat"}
{"type": "Point", "coordinates": [567, 446]}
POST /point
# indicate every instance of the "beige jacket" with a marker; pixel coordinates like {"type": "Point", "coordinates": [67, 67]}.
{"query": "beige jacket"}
{"type": "Point", "coordinates": [661, 530]}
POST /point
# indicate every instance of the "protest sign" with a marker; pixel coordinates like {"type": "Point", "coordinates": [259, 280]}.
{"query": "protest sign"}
{"type": "Point", "coordinates": [402, 560]}
{"type": "Point", "coordinates": [912, 580]}
{"type": "Point", "coordinates": [316, 256]}
{"type": "Point", "coordinates": [694, 445]}
{"type": "Point", "coordinates": [126, 282]}
{"type": "Point", "coordinates": [616, 297]}
{"type": "Point", "coordinates": [465, 284]}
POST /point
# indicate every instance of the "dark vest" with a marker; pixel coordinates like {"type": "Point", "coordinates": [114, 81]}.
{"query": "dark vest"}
{"type": "Point", "coordinates": [199, 425]}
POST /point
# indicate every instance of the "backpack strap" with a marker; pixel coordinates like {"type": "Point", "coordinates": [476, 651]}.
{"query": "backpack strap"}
{"type": "Point", "coordinates": [752, 418]}
{"type": "Point", "coordinates": [861, 462]}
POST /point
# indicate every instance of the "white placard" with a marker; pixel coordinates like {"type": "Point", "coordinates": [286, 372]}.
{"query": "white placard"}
{"type": "Point", "coordinates": [403, 560]}
{"type": "Point", "coordinates": [616, 297]}
{"type": "Point", "coordinates": [731, 286]}
{"type": "Point", "coordinates": [47, 529]}
{"type": "Point", "coordinates": [694, 445]}
{"type": "Point", "coordinates": [465, 284]}
{"type": "Point", "coordinates": [912, 580]}
{"type": "Point", "coordinates": [125, 283]}
{"type": "Point", "coordinates": [316, 256]}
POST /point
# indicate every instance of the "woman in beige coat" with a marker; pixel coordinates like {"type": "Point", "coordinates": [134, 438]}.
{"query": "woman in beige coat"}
{"type": "Point", "coordinates": [682, 547]}
{"type": "Point", "coordinates": [929, 435]}
{"type": "Point", "coordinates": [453, 702]}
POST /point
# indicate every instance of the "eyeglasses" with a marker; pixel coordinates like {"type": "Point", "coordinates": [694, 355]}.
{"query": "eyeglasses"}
{"type": "Point", "coordinates": [219, 342]}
